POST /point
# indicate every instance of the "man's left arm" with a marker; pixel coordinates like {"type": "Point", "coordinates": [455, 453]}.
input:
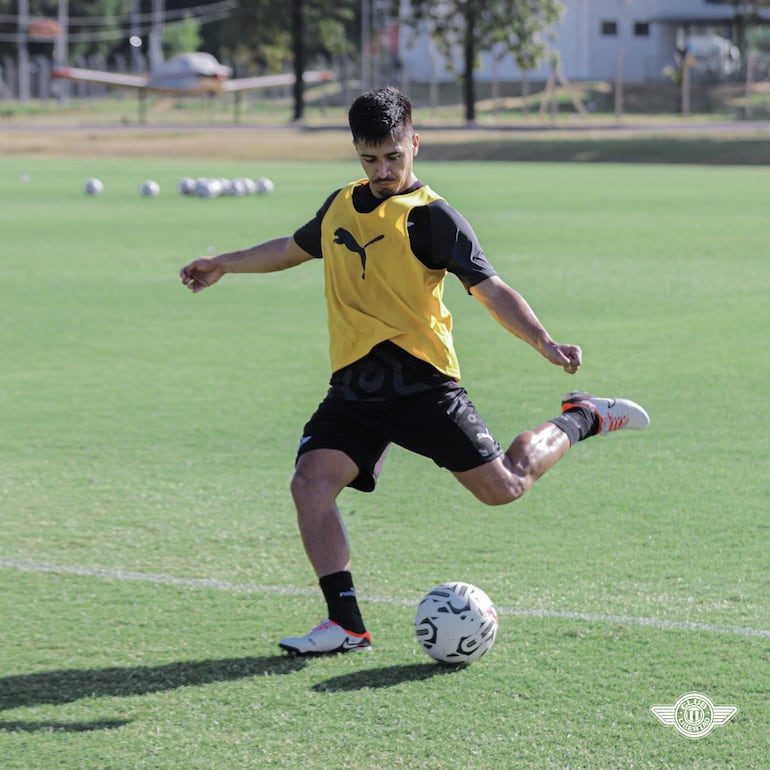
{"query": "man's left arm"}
{"type": "Point", "coordinates": [513, 313]}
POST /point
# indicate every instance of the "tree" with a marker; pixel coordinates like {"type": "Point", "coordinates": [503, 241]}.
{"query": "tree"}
{"type": "Point", "coordinates": [319, 28]}
{"type": "Point", "coordinates": [275, 35]}
{"type": "Point", "coordinates": [475, 26]}
{"type": "Point", "coordinates": [746, 17]}
{"type": "Point", "coordinates": [104, 37]}
{"type": "Point", "coordinates": [182, 37]}
{"type": "Point", "coordinates": [298, 49]}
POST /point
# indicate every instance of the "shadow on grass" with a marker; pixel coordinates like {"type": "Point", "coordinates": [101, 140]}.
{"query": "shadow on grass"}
{"type": "Point", "coordinates": [385, 677]}
{"type": "Point", "coordinates": [61, 727]}
{"type": "Point", "coordinates": [66, 686]}
{"type": "Point", "coordinates": [620, 149]}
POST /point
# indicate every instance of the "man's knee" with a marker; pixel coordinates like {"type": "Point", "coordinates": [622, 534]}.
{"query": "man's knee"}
{"type": "Point", "coordinates": [500, 494]}
{"type": "Point", "coordinates": [319, 477]}
{"type": "Point", "coordinates": [494, 483]}
{"type": "Point", "coordinates": [301, 486]}
{"type": "Point", "coordinates": [310, 490]}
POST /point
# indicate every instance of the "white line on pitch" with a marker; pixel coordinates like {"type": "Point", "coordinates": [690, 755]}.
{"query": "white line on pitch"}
{"type": "Point", "coordinates": [253, 588]}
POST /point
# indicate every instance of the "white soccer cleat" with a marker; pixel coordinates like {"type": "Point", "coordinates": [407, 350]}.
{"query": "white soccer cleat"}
{"type": "Point", "coordinates": [326, 638]}
{"type": "Point", "coordinates": [613, 413]}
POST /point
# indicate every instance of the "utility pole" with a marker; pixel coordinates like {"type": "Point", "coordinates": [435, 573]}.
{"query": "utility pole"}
{"type": "Point", "coordinates": [60, 45]}
{"type": "Point", "coordinates": [23, 53]}
{"type": "Point", "coordinates": [60, 53]}
{"type": "Point", "coordinates": [156, 34]}
{"type": "Point", "coordinates": [366, 26]}
{"type": "Point", "coordinates": [136, 37]}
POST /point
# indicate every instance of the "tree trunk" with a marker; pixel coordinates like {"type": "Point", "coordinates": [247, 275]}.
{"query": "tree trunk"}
{"type": "Point", "coordinates": [469, 59]}
{"type": "Point", "coordinates": [298, 44]}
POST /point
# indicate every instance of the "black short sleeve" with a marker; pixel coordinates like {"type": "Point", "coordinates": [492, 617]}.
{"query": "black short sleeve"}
{"type": "Point", "coordinates": [441, 238]}
{"type": "Point", "coordinates": [308, 237]}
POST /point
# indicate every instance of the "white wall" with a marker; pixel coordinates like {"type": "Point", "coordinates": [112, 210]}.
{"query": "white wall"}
{"type": "Point", "coordinates": [586, 54]}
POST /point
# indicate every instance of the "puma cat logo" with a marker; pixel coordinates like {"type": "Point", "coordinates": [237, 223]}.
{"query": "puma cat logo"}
{"type": "Point", "coordinates": [346, 239]}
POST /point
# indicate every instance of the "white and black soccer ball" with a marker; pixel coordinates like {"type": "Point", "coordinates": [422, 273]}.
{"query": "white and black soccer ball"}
{"type": "Point", "coordinates": [208, 188]}
{"type": "Point", "coordinates": [265, 186]}
{"type": "Point", "coordinates": [187, 185]}
{"type": "Point", "coordinates": [149, 189]}
{"type": "Point", "coordinates": [251, 185]}
{"type": "Point", "coordinates": [93, 186]}
{"type": "Point", "coordinates": [456, 623]}
{"type": "Point", "coordinates": [238, 187]}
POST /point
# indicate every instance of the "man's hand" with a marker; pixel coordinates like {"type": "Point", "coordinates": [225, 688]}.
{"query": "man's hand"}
{"type": "Point", "coordinates": [201, 274]}
{"type": "Point", "coordinates": [569, 357]}
{"type": "Point", "coordinates": [513, 313]}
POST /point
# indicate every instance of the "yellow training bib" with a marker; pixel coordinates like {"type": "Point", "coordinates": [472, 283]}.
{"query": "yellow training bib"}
{"type": "Point", "coordinates": [377, 289]}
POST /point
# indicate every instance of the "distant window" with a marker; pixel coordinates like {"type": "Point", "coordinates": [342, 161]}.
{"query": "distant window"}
{"type": "Point", "coordinates": [641, 29]}
{"type": "Point", "coordinates": [609, 28]}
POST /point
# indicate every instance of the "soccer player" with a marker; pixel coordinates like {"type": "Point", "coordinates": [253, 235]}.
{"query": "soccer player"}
{"type": "Point", "coordinates": [387, 243]}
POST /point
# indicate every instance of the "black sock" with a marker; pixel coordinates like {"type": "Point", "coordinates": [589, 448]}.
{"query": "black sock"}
{"type": "Point", "coordinates": [341, 600]}
{"type": "Point", "coordinates": [578, 423]}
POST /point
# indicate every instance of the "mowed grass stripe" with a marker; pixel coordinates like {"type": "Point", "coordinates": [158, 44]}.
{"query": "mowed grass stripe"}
{"type": "Point", "coordinates": [285, 590]}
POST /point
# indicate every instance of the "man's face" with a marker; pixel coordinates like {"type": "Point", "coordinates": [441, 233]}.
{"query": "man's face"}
{"type": "Point", "coordinates": [389, 166]}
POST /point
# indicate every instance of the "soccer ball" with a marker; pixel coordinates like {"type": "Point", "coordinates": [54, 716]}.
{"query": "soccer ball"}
{"type": "Point", "coordinates": [93, 186]}
{"type": "Point", "coordinates": [251, 185]}
{"type": "Point", "coordinates": [456, 623]}
{"type": "Point", "coordinates": [208, 188]}
{"type": "Point", "coordinates": [238, 187]}
{"type": "Point", "coordinates": [149, 189]}
{"type": "Point", "coordinates": [186, 185]}
{"type": "Point", "coordinates": [265, 185]}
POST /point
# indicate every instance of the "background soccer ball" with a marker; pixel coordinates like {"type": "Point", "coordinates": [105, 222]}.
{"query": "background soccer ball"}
{"type": "Point", "coordinates": [265, 185]}
{"type": "Point", "coordinates": [208, 188]}
{"type": "Point", "coordinates": [149, 189]}
{"type": "Point", "coordinates": [187, 185]}
{"type": "Point", "coordinates": [456, 623]}
{"type": "Point", "coordinates": [92, 186]}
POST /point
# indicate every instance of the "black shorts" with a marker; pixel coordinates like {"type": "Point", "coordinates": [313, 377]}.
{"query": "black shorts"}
{"type": "Point", "coordinates": [440, 423]}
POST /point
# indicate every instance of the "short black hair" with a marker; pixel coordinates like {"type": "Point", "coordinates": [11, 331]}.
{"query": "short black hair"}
{"type": "Point", "coordinates": [379, 115]}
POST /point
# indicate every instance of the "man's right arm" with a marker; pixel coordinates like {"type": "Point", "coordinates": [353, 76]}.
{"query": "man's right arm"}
{"type": "Point", "coordinates": [268, 257]}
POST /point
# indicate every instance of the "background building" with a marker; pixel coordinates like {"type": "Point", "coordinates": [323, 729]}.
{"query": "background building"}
{"type": "Point", "coordinates": [597, 39]}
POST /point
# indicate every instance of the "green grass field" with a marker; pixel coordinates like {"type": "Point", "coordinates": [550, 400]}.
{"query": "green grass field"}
{"type": "Point", "coordinates": [149, 559]}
